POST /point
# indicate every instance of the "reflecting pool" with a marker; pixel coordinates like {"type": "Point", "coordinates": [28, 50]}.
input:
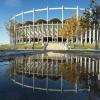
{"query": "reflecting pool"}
{"type": "Point", "coordinates": [50, 76]}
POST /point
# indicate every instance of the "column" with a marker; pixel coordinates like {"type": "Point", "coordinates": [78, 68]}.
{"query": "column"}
{"type": "Point", "coordinates": [76, 86]}
{"type": "Point", "coordinates": [81, 61]}
{"type": "Point", "coordinates": [29, 34]}
{"type": "Point", "coordinates": [33, 36]}
{"type": "Point", "coordinates": [33, 77]}
{"type": "Point", "coordinates": [71, 59]}
{"type": "Point", "coordinates": [85, 63]}
{"type": "Point", "coordinates": [47, 75]}
{"type": "Point", "coordinates": [22, 27]}
{"type": "Point", "coordinates": [61, 82]}
{"type": "Point", "coordinates": [77, 15]}
{"type": "Point", "coordinates": [52, 67]}
{"type": "Point", "coordinates": [93, 66]}
{"type": "Point", "coordinates": [89, 64]}
{"type": "Point", "coordinates": [81, 38]}
{"type": "Point", "coordinates": [67, 40]}
{"type": "Point", "coordinates": [47, 82]}
{"type": "Point", "coordinates": [42, 33]}
{"type": "Point", "coordinates": [94, 35]}
{"type": "Point", "coordinates": [20, 35]}
{"type": "Point", "coordinates": [96, 66]}
{"type": "Point", "coordinates": [86, 37]}
{"type": "Point", "coordinates": [25, 67]}
{"type": "Point", "coordinates": [42, 64]}
{"type": "Point", "coordinates": [90, 36]}
{"type": "Point", "coordinates": [17, 36]}
{"type": "Point", "coordinates": [62, 15]}
{"type": "Point", "coordinates": [62, 39]}
{"type": "Point", "coordinates": [57, 31]}
{"type": "Point", "coordinates": [14, 68]}
{"type": "Point", "coordinates": [47, 24]}
{"type": "Point", "coordinates": [14, 37]}
{"type": "Point", "coordinates": [38, 32]}
{"type": "Point", "coordinates": [38, 67]}
{"type": "Point", "coordinates": [77, 12]}
{"type": "Point", "coordinates": [99, 66]}
{"type": "Point", "coordinates": [29, 65]}
{"type": "Point", "coordinates": [76, 59]}
{"type": "Point", "coordinates": [52, 32]}
{"type": "Point", "coordinates": [25, 34]}
{"type": "Point", "coordinates": [11, 37]}
{"type": "Point", "coordinates": [72, 40]}
{"type": "Point", "coordinates": [22, 76]}
{"type": "Point", "coordinates": [62, 19]}
{"type": "Point", "coordinates": [98, 37]}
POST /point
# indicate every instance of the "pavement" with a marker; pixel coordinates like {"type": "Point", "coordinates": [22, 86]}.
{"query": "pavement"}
{"type": "Point", "coordinates": [8, 54]}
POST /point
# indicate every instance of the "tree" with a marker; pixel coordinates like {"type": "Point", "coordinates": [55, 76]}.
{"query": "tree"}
{"type": "Point", "coordinates": [73, 28]}
{"type": "Point", "coordinates": [92, 14]}
{"type": "Point", "coordinates": [69, 28]}
{"type": "Point", "coordinates": [11, 26]}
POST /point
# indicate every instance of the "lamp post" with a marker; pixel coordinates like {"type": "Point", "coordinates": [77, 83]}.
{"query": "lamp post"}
{"type": "Point", "coordinates": [14, 37]}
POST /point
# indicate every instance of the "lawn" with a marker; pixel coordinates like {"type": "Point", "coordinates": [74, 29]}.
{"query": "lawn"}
{"type": "Point", "coordinates": [22, 46]}
{"type": "Point", "coordinates": [40, 46]}
{"type": "Point", "coordinates": [86, 46]}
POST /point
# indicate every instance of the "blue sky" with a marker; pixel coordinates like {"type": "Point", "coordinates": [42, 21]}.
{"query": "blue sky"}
{"type": "Point", "coordinates": [8, 8]}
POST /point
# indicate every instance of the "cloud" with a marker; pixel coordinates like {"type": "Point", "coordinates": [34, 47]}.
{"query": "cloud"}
{"type": "Point", "coordinates": [13, 3]}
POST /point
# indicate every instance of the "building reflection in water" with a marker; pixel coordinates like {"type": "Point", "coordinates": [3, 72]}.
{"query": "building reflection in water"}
{"type": "Point", "coordinates": [56, 72]}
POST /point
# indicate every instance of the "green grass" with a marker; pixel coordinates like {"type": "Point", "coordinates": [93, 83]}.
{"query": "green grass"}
{"type": "Point", "coordinates": [86, 46]}
{"type": "Point", "coordinates": [22, 46]}
{"type": "Point", "coordinates": [6, 47]}
{"type": "Point", "coordinates": [39, 46]}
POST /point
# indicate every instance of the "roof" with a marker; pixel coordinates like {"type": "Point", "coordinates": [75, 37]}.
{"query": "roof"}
{"type": "Point", "coordinates": [19, 24]}
{"type": "Point", "coordinates": [40, 21]}
{"type": "Point", "coordinates": [28, 23]}
{"type": "Point", "coordinates": [55, 20]}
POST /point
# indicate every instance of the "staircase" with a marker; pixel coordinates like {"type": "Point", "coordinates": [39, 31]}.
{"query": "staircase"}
{"type": "Point", "coordinates": [56, 46]}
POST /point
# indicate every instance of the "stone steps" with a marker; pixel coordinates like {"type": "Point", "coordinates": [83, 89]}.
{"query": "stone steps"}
{"type": "Point", "coordinates": [56, 46]}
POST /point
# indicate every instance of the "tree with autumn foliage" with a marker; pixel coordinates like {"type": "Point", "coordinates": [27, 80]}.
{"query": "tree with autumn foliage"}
{"type": "Point", "coordinates": [69, 28]}
{"type": "Point", "coordinates": [73, 28]}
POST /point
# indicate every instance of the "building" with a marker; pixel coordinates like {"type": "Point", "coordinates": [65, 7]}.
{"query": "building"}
{"type": "Point", "coordinates": [47, 30]}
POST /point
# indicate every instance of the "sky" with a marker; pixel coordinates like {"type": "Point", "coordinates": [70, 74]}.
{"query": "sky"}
{"type": "Point", "coordinates": [9, 8]}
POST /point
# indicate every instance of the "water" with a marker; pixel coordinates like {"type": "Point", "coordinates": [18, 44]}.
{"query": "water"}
{"type": "Point", "coordinates": [50, 76]}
